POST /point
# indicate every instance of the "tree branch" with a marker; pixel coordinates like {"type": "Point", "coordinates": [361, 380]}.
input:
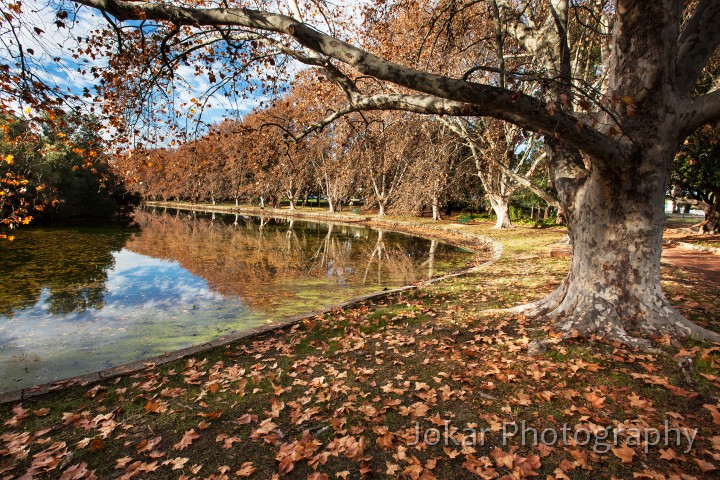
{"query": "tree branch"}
{"type": "Point", "coordinates": [701, 110]}
{"type": "Point", "coordinates": [525, 182]}
{"type": "Point", "coordinates": [696, 43]}
{"type": "Point", "coordinates": [521, 109]}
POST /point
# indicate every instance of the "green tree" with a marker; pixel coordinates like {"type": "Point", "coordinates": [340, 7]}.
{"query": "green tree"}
{"type": "Point", "coordinates": [697, 174]}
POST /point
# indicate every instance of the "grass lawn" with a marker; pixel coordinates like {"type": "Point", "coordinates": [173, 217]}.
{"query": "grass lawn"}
{"type": "Point", "coordinates": [343, 396]}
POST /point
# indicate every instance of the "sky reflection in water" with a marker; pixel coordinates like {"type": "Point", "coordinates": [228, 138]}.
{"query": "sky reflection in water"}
{"type": "Point", "coordinates": [82, 299]}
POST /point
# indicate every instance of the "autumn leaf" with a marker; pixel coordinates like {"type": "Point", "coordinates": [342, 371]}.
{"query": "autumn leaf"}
{"type": "Point", "coordinates": [77, 472]}
{"type": "Point", "coordinates": [187, 439]}
{"type": "Point", "coordinates": [211, 415]}
{"type": "Point", "coordinates": [246, 469]}
{"type": "Point", "coordinates": [318, 476]}
{"type": "Point", "coordinates": [152, 406]}
{"type": "Point", "coordinates": [669, 454]}
{"type": "Point", "coordinates": [176, 463]}
{"type": "Point", "coordinates": [551, 107]}
{"type": "Point", "coordinates": [714, 412]}
{"type": "Point", "coordinates": [624, 453]}
{"type": "Point", "coordinates": [391, 468]}
{"type": "Point", "coordinates": [247, 418]}
{"type": "Point", "coordinates": [97, 445]}
{"type": "Point", "coordinates": [705, 467]}
{"type": "Point", "coordinates": [595, 400]}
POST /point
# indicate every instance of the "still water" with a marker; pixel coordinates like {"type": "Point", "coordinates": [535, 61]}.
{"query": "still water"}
{"type": "Point", "coordinates": [77, 300]}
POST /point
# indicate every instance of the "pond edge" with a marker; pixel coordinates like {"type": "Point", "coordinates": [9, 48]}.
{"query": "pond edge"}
{"type": "Point", "coordinates": [411, 228]}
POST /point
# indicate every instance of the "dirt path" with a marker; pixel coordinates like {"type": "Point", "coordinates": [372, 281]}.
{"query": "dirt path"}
{"type": "Point", "coordinates": [703, 263]}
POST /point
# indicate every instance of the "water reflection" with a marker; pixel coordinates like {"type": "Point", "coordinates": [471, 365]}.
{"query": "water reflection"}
{"type": "Point", "coordinates": [45, 263]}
{"type": "Point", "coordinates": [81, 299]}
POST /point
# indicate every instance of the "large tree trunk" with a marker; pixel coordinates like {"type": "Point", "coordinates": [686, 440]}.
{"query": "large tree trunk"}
{"type": "Point", "coordinates": [331, 204]}
{"type": "Point", "coordinates": [500, 207]}
{"type": "Point", "coordinates": [613, 287]}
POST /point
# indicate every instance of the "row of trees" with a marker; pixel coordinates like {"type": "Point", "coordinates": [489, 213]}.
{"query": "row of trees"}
{"type": "Point", "coordinates": [387, 160]}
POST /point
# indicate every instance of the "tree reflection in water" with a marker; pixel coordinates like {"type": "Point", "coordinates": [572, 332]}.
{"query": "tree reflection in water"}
{"type": "Point", "coordinates": [81, 299]}
{"type": "Point", "coordinates": [60, 264]}
{"type": "Point", "coordinates": [256, 257]}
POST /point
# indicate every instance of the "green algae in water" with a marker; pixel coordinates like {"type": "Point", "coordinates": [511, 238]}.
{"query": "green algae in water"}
{"type": "Point", "coordinates": [77, 300]}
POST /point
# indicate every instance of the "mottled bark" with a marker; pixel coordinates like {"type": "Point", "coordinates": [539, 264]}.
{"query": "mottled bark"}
{"type": "Point", "coordinates": [500, 206]}
{"type": "Point", "coordinates": [436, 209]}
{"type": "Point", "coordinates": [613, 287]}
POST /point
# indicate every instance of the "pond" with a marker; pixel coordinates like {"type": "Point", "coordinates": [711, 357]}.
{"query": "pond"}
{"type": "Point", "coordinates": [81, 299]}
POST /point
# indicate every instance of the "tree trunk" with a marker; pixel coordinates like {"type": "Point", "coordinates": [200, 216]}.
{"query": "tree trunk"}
{"type": "Point", "coordinates": [712, 217]}
{"type": "Point", "coordinates": [613, 287]}
{"type": "Point", "coordinates": [560, 217]}
{"type": "Point", "coordinates": [331, 205]}
{"type": "Point", "coordinates": [237, 202]}
{"type": "Point", "coordinates": [262, 202]}
{"type": "Point", "coordinates": [500, 207]}
{"type": "Point", "coordinates": [436, 209]}
{"type": "Point", "coordinates": [381, 211]}
{"type": "Point", "coordinates": [292, 203]}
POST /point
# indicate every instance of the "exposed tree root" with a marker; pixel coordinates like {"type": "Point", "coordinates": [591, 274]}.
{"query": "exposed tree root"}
{"type": "Point", "coordinates": [575, 313]}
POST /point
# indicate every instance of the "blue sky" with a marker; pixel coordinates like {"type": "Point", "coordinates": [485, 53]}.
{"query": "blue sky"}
{"type": "Point", "coordinates": [42, 50]}
{"type": "Point", "coordinates": [55, 43]}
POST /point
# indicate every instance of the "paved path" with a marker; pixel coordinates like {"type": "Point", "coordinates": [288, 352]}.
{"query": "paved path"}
{"type": "Point", "coordinates": [706, 264]}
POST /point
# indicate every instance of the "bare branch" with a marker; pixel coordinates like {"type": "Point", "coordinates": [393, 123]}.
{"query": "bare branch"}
{"type": "Point", "coordinates": [525, 182]}
{"type": "Point", "coordinates": [521, 109]}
